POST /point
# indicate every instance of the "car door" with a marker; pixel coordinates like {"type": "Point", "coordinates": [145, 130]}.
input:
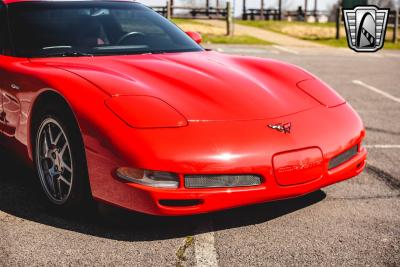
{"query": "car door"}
{"type": "Point", "coordinates": [11, 102]}
{"type": "Point", "coordinates": [10, 105]}
{"type": "Point", "coordinates": [2, 42]}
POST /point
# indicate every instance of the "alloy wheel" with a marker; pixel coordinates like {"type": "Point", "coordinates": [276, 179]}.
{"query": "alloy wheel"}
{"type": "Point", "coordinates": [54, 161]}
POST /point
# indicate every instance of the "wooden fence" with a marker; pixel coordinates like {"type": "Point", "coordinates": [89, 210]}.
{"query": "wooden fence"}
{"type": "Point", "coordinates": [192, 12]}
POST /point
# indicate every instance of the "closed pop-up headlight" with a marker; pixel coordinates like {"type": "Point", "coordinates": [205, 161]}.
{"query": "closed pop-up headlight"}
{"type": "Point", "coordinates": [145, 112]}
{"type": "Point", "coordinates": [321, 92]}
{"type": "Point", "coordinates": [149, 178]}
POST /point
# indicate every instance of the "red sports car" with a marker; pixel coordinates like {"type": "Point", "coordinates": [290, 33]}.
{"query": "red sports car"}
{"type": "Point", "coordinates": [110, 101]}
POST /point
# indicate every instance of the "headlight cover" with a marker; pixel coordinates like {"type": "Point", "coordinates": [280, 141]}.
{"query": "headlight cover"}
{"type": "Point", "coordinates": [149, 178]}
{"type": "Point", "coordinates": [321, 92]}
{"type": "Point", "coordinates": [145, 112]}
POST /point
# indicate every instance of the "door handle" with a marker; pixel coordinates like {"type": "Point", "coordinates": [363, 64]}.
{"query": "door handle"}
{"type": "Point", "coordinates": [14, 86]}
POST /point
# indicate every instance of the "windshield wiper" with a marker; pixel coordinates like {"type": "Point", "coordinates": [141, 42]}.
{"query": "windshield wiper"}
{"type": "Point", "coordinates": [69, 54]}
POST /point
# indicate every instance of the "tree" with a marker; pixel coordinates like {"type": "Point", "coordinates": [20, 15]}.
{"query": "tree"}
{"type": "Point", "coordinates": [382, 3]}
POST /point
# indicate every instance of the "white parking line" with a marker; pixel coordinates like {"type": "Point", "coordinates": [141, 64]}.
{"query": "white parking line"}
{"type": "Point", "coordinates": [376, 90]}
{"type": "Point", "coordinates": [282, 48]}
{"type": "Point", "coordinates": [204, 246]}
{"type": "Point", "coordinates": [382, 146]}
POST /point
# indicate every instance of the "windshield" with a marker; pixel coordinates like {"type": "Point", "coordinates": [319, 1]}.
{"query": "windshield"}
{"type": "Point", "coordinates": [46, 29]}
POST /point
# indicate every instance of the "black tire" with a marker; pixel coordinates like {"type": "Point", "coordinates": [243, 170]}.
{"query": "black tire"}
{"type": "Point", "coordinates": [58, 114]}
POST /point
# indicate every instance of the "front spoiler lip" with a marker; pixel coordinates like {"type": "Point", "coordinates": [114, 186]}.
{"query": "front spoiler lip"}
{"type": "Point", "coordinates": [216, 199]}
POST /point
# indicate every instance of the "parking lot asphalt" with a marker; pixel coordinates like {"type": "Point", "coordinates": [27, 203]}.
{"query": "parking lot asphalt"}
{"type": "Point", "coordinates": [353, 223]}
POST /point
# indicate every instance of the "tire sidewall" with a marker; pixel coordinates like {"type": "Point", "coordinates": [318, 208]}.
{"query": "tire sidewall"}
{"type": "Point", "coordinates": [80, 191]}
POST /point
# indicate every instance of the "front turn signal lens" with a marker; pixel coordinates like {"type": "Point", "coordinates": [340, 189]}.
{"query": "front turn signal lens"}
{"type": "Point", "coordinates": [157, 179]}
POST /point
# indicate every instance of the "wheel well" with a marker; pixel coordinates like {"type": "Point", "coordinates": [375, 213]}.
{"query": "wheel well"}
{"type": "Point", "coordinates": [51, 103]}
{"type": "Point", "coordinates": [41, 101]}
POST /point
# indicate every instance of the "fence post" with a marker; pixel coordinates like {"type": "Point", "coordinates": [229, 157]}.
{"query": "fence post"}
{"type": "Point", "coordinates": [396, 26]}
{"type": "Point", "coordinates": [316, 10]}
{"type": "Point", "coordinates": [244, 16]}
{"type": "Point", "coordinates": [229, 18]}
{"type": "Point", "coordinates": [305, 10]}
{"type": "Point", "coordinates": [169, 10]}
{"type": "Point", "coordinates": [338, 20]}
{"type": "Point", "coordinates": [262, 17]}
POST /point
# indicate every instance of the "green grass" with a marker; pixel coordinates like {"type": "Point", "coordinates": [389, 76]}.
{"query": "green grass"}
{"type": "Point", "coordinates": [183, 21]}
{"type": "Point", "coordinates": [222, 39]}
{"type": "Point", "coordinates": [315, 32]}
{"type": "Point", "coordinates": [277, 26]}
{"type": "Point", "coordinates": [277, 23]}
{"type": "Point", "coordinates": [237, 39]}
{"type": "Point", "coordinates": [390, 45]}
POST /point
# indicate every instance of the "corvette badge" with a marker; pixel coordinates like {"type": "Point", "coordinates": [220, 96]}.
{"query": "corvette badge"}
{"type": "Point", "coordinates": [281, 127]}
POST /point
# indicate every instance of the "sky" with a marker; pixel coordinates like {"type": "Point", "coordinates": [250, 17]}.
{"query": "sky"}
{"type": "Point", "coordinates": [287, 4]}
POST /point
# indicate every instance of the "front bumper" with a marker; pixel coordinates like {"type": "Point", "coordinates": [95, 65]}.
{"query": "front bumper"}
{"type": "Point", "coordinates": [224, 148]}
{"type": "Point", "coordinates": [152, 200]}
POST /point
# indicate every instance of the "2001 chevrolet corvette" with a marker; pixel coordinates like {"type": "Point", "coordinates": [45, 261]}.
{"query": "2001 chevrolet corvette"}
{"type": "Point", "coordinates": [108, 100]}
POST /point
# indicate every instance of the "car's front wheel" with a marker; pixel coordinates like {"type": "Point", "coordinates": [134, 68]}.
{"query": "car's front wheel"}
{"type": "Point", "coordinates": [59, 159]}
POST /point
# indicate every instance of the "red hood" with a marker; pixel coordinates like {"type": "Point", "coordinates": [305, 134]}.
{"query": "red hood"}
{"type": "Point", "coordinates": [201, 85]}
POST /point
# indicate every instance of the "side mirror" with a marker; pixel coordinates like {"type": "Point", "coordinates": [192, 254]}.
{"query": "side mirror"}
{"type": "Point", "coordinates": [195, 36]}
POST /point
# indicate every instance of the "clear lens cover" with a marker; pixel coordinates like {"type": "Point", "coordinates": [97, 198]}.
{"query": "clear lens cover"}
{"type": "Point", "coordinates": [149, 178]}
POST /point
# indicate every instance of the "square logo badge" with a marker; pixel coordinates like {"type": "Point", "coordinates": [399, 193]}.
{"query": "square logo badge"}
{"type": "Point", "coordinates": [365, 27]}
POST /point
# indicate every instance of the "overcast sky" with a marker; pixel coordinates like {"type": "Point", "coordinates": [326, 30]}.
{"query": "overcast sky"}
{"type": "Point", "coordinates": [287, 4]}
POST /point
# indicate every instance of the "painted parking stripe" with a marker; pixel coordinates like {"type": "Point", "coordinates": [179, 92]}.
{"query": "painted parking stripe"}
{"type": "Point", "coordinates": [285, 49]}
{"type": "Point", "coordinates": [204, 246]}
{"type": "Point", "coordinates": [376, 90]}
{"type": "Point", "coordinates": [382, 146]}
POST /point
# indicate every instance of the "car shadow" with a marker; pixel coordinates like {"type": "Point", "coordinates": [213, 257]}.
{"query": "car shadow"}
{"type": "Point", "coordinates": [20, 196]}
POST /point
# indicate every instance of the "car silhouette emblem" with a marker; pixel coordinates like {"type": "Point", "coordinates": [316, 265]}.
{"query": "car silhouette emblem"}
{"type": "Point", "coordinates": [365, 28]}
{"type": "Point", "coordinates": [281, 127]}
